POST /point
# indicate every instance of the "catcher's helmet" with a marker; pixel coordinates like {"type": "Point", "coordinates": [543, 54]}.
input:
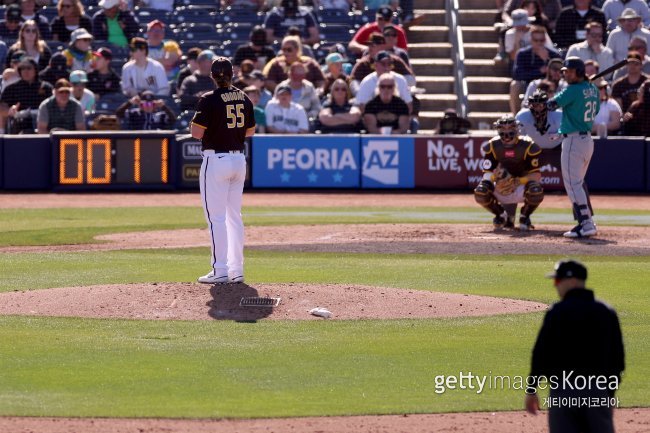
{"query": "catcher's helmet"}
{"type": "Point", "coordinates": [574, 63]}
{"type": "Point", "coordinates": [221, 69]}
{"type": "Point", "coordinates": [506, 122]}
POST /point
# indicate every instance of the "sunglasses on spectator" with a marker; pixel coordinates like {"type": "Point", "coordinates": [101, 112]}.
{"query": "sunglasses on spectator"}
{"type": "Point", "coordinates": [66, 5]}
{"type": "Point", "coordinates": [339, 89]}
{"type": "Point", "coordinates": [25, 68]}
{"type": "Point", "coordinates": [390, 35]}
{"type": "Point", "coordinates": [595, 35]}
{"type": "Point", "coordinates": [386, 86]}
{"type": "Point", "coordinates": [637, 47]}
{"type": "Point", "coordinates": [509, 135]}
{"type": "Point", "coordinates": [29, 30]}
{"type": "Point", "coordinates": [287, 49]}
{"type": "Point", "coordinates": [538, 39]}
{"type": "Point", "coordinates": [381, 19]}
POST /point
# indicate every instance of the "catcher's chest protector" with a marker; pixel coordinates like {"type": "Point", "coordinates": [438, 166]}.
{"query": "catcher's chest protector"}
{"type": "Point", "coordinates": [513, 158]}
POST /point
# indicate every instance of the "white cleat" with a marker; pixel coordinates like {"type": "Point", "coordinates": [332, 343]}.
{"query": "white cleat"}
{"type": "Point", "coordinates": [585, 229]}
{"type": "Point", "coordinates": [211, 278]}
{"type": "Point", "coordinates": [237, 279]}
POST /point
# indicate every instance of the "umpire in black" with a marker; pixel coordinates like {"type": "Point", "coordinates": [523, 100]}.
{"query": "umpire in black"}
{"type": "Point", "coordinates": [578, 355]}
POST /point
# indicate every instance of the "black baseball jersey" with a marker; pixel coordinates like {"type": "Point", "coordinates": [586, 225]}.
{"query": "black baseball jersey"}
{"type": "Point", "coordinates": [225, 114]}
{"type": "Point", "coordinates": [520, 159]}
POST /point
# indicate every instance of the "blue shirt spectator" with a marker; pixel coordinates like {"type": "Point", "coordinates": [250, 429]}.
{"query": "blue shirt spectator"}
{"type": "Point", "coordinates": [279, 19]}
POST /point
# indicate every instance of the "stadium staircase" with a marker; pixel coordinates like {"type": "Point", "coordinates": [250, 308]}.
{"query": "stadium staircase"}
{"type": "Point", "coordinates": [430, 48]}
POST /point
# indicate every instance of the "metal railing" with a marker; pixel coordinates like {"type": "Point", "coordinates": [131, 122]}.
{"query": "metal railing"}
{"type": "Point", "coordinates": [457, 56]}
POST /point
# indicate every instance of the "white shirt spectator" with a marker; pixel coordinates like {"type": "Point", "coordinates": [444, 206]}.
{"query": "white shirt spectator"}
{"type": "Point", "coordinates": [152, 77]}
{"type": "Point", "coordinates": [306, 97]}
{"type": "Point", "coordinates": [87, 101]}
{"type": "Point", "coordinates": [292, 119]}
{"type": "Point", "coordinates": [509, 41]}
{"type": "Point", "coordinates": [368, 88]}
{"type": "Point", "coordinates": [605, 109]}
{"type": "Point", "coordinates": [614, 8]}
{"type": "Point", "coordinates": [605, 58]}
{"type": "Point", "coordinates": [619, 40]}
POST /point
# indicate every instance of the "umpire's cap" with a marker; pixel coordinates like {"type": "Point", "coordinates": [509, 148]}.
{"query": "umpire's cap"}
{"type": "Point", "coordinates": [574, 63]}
{"type": "Point", "coordinates": [221, 68]}
{"type": "Point", "coordinates": [568, 268]}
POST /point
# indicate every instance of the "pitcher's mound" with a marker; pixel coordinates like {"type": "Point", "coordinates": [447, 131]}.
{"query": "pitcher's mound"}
{"type": "Point", "coordinates": [189, 301]}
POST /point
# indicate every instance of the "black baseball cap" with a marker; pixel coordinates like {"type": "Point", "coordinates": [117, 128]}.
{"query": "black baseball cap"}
{"type": "Point", "coordinates": [282, 89]}
{"type": "Point", "coordinates": [385, 12]}
{"type": "Point", "coordinates": [382, 55]}
{"type": "Point", "coordinates": [13, 13]}
{"type": "Point", "coordinates": [568, 268]}
{"type": "Point", "coordinates": [221, 67]}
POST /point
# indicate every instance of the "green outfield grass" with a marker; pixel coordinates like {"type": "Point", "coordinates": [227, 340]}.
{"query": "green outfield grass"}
{"type": "Point", "coordinates": [76, 225]}
{"type": "Point", "coordinates": [131, 368]}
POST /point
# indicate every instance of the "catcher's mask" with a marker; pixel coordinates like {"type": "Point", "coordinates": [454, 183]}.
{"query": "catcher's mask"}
{"type": "Point", "coordinates": [508, 128]}
{"type": "Point", "coordinates": [537, 103]}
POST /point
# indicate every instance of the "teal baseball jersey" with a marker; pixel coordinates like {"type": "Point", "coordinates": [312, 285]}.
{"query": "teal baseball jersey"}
{"type": "Point", "coordinates": [580, 103]}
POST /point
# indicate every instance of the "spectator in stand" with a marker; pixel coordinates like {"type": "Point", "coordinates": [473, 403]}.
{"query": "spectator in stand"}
{"type": "Point", "coordinates": [279, 19]}
{"type": "Point", "coordinates": [306, 49]}
{"type": "Point", "coordinates": [79, 81]}
{"type": "Point", "coordinates": [302, 91]}
{"type": "Point", "coordinates": [536, 13]}
{"type": "Point", "coordinates": [10, 26]}
{"type": "Point", "coordinates": [614, 9]}
{"type": "Point", "coordinates": [103, 79]}
{"type": "Point", "coordinates": [342, 5]}
{"type": "Point", "coordinates": [630, 26]}
{"type": "Point", "coordinates": [257, 50]}
{"type": "Point", "coordinates": [365, 64]}
{"type": "Point", "coordinates": [625, 89]}
{"type": "Point", "coordinates": [253, 94]}
{"type": "Point", "coordinates": [30, 42]}
{"type": "Point", "coordinates": [28, 10]}
{"type": "Point", "coordinates": [553, 75]}
{"type": "Point", "coordinates": [591, 68]}
{"type": "Point", "coordinates": [637, 43]}
{"type": "Point", "coordinates": [531, 63]}
{"type": "Point", "coordinates": [338, 115]}
{"type": "Point", "coordinates": [334, 62]}
{"type": "Point", "coordinates": [610, 113]}
{"type": "Point", "coordinates": [592, 48]}
{"type": "Point", "coordinates": [550, 9]}
{"type": "Point", "coordinates": [79, 53]}
{"type": "Point", "coordinates": [57, 69]}
{"type": "Point", "coordinates": [255, 5]}
{"type": "Point", "coordinates": [570, 25]}
{"type": "Point", "coordinates": [198, 83]}
{"type": "Point", "coordinates": [161, 5]}
{"type": "Point", "coordinates": [243, 77]}
{"type": "Point", "coordinates": [518, 36]}
{"type": "Point", "coordinates": [383, 18]}
{"type": "Point", "coordinates": [10, 75]}
{"type": "Point", "coordinates": [115, 25]}
{"type": "Point", "coordinates": [60, 112]}
{"type": "Point", "coordinates": [259, 81]}
{"type": "Point", "coordinates": [390, 35]}
{"type": "Point", "coordinates": [191, 65]}
{"type": "Point", "coordinates": [142, 73]}
{"type": "Point", "coordinates": [71, 16]}
{"type": "Point", "coordinates": [637, 117]}
{"type": "Point", "coordinates": [340, 49]}
{"type": "Point", "coordinates": [291, 51]}
{"type": "Point", "coordinates": [283, 116]}
{"type": "Point", "coordinates": [144, 112]}
{"type": "Point", "coordinates": [165, 51]}
{"type": "Point", "coordinates": [386, 109]}
{"type": "Point", "coordinates": [24, 95]}
{"type": "Point", "coordinates": [368, 87]}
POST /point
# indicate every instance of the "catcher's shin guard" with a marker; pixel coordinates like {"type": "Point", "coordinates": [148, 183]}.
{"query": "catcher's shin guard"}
{"type": "Point", "coordinates": [533, 197]}
{"type": "Point", "coordinates": [484, 195]}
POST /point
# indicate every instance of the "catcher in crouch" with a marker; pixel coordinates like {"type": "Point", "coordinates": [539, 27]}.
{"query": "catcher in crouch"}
{"type": "Point", "coordinates": [511, 176]}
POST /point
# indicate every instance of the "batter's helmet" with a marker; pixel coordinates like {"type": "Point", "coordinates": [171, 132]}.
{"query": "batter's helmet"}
{"type": "Point", "coordinates": [221, 69]}
{"type": "Point", "coordinates": [574, 63]}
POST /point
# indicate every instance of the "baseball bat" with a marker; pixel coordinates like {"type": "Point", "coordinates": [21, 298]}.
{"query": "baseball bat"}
{"type": "Point", "coordinates": [609, 70]}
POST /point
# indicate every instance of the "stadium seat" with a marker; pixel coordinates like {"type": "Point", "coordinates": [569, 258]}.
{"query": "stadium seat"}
{"type": "Point", "coordinates": [336, 32]}
{"type": "Point", "coordinates": [183, 121]}
{"type": "Point", "coordinates": [180, 3]}
{"type": "Point", "coordinates": [240, 15]}
{"type": "Point", "coordinates": [111, 101]}
{"type": "Point", "coordinates": [146, 15]}
{"type": "Point", "coordinates": [334, 16]}
{"type": "Point", "coordinates": [191, 14]}
{"type": "Point", "coordinates": [49, 12]}
{"type": "Point", "coordinates": [195, 31]}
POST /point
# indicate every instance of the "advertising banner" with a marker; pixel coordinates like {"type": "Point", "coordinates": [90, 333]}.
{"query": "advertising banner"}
{"type": "Point", "coordinates": [388, 162]}
{"type": "Point", "coordinates": [318, 161]}
{"type": "Point", "coordinates": [27, 161]}
{"type": "Point", "coordinates": [618, 164]}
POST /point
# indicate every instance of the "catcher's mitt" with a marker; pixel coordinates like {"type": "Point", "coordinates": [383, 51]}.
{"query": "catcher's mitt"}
{"type": "Point", "coordinates": [504, 182]}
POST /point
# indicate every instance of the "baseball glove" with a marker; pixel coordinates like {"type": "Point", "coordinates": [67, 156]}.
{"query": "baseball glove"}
{"type": "Point", "coordinates": [504, 182]}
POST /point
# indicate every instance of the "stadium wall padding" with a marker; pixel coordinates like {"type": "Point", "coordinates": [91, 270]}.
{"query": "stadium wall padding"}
{"type": "Point", "coordinates": [437, 162]}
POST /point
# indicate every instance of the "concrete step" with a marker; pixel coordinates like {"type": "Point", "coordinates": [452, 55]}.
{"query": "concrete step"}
{"type": "Point", "coordinates": [488, 85]}
{"type": "Point", "coordinates": [483, 120]}
{"type": "Point", "coordinates": [430, 49]}
{"type": "Point", "coordinates": [438, 102]}
{"type": "Point", "coordinates": [477, 17]}
{"type": "Point", "coordinates": [435, 67]}
{"type": "Point", "coordinates": [485, 68]}
{"type": "Point", "coordinates": [479, 50]}
{"type": "Point", "coordinates": [488, 102]}
{"type": "Point", "coordinates": [429, 4]}
{"type": "Point", "coordinates": [480, 34]}
{"type": "Point", "coordinates": [428, 34]}
{"type": "Point", "coordinates": [436, 85]}
{"type": "Point", "coordinates": [430, 17]}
